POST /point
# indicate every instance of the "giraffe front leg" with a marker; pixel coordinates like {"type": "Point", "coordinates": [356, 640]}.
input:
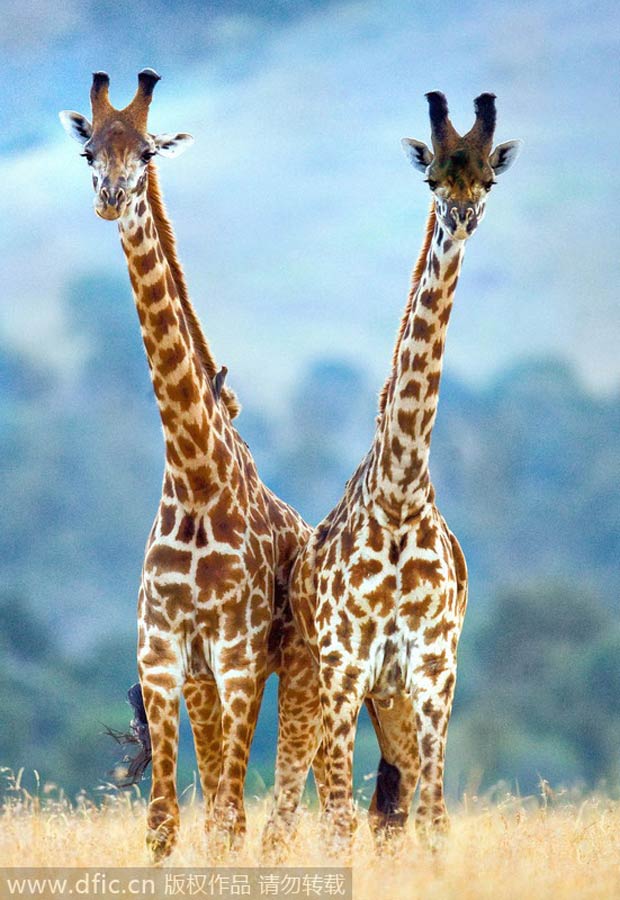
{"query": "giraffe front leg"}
{"type": "Point", "coordinates": [341, 695]}
{"type": "Point", "coordinates": [161, 692]}
{"type": "Point", "coordinates": [240, 699]}
{"type": "Point", "coordinates": [433, 705]}
{"type": "Point", "coordinates": [399, 768]}
{"type": "Point", "coordinates": [205, 715]}
{"type": "Point", "coordinates": [299, 737]}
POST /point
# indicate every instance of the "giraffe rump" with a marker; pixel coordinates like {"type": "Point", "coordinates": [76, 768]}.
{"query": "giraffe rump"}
{"type": "Point", "coordinates": [133, 767]}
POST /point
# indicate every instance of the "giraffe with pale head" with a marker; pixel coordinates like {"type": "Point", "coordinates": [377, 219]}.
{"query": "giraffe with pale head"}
{"type": "Point", "coordinates": [213, 613]}
{"type": "Point", "coordinates": [380, 590]}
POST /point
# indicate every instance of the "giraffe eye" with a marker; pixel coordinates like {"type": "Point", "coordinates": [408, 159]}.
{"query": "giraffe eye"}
{"type": "Point", "coordinates": [88, 156]}
{"type": "Point", "coordinates": [488, 185]}
{"type": "Point", "coordinates": [432, 183]}
{"type": "Point", "coordinates": [147, 155]}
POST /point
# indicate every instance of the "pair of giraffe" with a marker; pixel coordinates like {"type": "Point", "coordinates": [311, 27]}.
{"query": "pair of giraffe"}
{"type": "Point", "coordinates": [235, 585]}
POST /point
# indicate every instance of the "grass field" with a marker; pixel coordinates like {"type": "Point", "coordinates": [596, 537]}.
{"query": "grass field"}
{"type": "Point", "coordinates": [515, 848]}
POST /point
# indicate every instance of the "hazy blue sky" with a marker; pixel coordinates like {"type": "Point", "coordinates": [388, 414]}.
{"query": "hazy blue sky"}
{"type": "Point", "coordinates": [297, 215]}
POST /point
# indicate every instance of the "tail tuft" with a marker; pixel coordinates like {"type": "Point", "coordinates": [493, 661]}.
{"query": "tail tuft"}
{"type": "Point", "coordinates": [132, 768]}
{"type": "Point", "coordinates": [388, 788]}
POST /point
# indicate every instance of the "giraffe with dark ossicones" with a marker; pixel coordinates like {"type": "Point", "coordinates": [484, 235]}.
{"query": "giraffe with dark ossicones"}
{"type": "Point", "coordinates": [213, 613]}
{"type": "Point", "coordinates": [380, 589]}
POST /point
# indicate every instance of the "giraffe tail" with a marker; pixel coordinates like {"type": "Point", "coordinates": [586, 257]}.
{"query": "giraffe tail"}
{"type": "Point", "coordinates": [132, 768]}
{"type": "Point", "coordinates": [388, 789]}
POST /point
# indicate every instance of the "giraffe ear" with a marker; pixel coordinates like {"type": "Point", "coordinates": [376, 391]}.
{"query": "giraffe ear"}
{"type": "Point", "coordinates": [172, 145]}
{"type": "Point", "coordinates": [78, 127]}
{"type": "Point", "coordinates": [417, 153]}
{"type": "Point", "coordinates": [504, 155]}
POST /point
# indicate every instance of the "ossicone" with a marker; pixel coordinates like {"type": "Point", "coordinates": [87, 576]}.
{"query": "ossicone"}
{"type": "Point", "coordinates": [486, 114]}
{"type": "Point", "coordinates": [147, 79]}
{"type": "Point", "coordinates": [100, 80]}
{"type": "Point", "coordinates": [442, 130]}
{"type": "Point", "coordinates": [99, 95]}
{"type": "Point", "coordinates": [437, 106]}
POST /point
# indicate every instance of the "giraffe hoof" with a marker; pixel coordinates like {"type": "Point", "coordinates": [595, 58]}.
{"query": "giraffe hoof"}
{"type": "Point", "coordinates": [337, 841]}
{"type": "Point", "coordinates": [389, 833]}
{"type": "Point", "coordinates": [160, 843]}
{"type": "Point", "coordinates": [222, 842]}
{"type": "Point", "coordinates": [434, 835]}
{"type": "Point", "coordinates": [339, 850]}
{"type": "Point", "coordinates": [275, 842]}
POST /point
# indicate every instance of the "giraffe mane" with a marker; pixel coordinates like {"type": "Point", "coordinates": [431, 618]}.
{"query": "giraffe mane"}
{"type": "Point", "coordinates": [168, 244]}
{"type": "Point", "coordinates": [415, 280]}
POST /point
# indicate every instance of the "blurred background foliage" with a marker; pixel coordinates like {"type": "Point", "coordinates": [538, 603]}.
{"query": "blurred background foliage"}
{"type": "Point", "coordinates": [527, 473]}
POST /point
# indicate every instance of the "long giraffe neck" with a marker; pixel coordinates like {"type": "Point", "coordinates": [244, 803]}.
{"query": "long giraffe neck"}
{"type": "Point", "coordinates": [398, 477]}
{"type": "Point", "coordinates": [168, 244]}
{"type": "Point", "coordinates": [195, 424]}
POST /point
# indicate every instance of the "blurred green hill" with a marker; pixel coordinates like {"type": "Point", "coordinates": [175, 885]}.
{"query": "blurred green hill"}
{"type": "Point", "coordinates": [527, 472]}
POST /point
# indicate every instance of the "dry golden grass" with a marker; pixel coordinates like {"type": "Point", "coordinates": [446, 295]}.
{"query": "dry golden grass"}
{"type": "Point", "coordinates": [517, 848]}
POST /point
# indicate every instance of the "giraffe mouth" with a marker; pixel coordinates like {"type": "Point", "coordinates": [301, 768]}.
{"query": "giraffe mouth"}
{"type": "Point", "coordinates": [110, 213]}
{"type": "Point", "coordinates": [110, 206]}
{"type": "Point", "coordinates": [459, 232]}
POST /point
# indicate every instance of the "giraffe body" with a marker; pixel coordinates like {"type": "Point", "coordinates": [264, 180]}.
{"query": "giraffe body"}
{"type": "Point", "coordinates": [380, 590]}
{"type": "Point", "coordinates": [214, 619]}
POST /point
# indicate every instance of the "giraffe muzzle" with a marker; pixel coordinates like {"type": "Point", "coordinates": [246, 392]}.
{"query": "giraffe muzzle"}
{"type": "Point", "coordinates": [110, 203]}
{"type": "Point", "coordinates": [461, 219]}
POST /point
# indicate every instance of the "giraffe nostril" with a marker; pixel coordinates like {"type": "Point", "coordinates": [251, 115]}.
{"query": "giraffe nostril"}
{"type": "Point", "coordinates": [103, 193]}
{"type": "Point", "coordinates": [461, 214]}
{"type": "Point", "coordinates": [120, 196]}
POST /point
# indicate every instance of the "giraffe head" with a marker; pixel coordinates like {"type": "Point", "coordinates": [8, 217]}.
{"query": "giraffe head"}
{"type": "Point", "coordinates": [117, 145]}
{"type": "Point", "coordinates": [461, 170]}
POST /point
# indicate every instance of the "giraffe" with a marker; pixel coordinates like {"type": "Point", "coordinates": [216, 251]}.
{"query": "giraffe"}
{"type": "Point", "coordinates": [380, 590]}
{"type": "Point", "coordinates": [213, 613]}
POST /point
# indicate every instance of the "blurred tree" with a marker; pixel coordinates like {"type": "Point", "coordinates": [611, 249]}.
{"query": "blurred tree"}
{"type": "Point", "coordinates": [102, 311]}
{"type": "Point", "coordinates": [528, 476]}
{"type": "Point", "coordinates": [542, 662]}
{"type": "Point", "coordinates": [328, 430]}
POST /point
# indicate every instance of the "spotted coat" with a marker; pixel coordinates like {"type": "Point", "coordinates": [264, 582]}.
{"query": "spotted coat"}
{"type": "Point", "coordinates": [214, 619]}
{"type": "Point", "coordinates": [380, 590]}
